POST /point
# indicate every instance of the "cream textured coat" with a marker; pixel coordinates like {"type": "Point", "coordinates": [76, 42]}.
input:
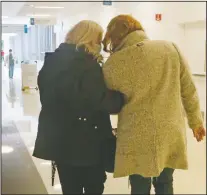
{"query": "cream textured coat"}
{"type": "Point", "coordinates": [157, 83]}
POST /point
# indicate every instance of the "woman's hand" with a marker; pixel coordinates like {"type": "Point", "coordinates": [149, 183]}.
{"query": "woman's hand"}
{"type": "Point", "coordinates": [114, 132]}
{"type": "Point", "coordinates": [199, 133]}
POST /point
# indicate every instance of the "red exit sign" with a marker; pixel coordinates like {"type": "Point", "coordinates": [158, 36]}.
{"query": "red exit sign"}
{"type": "Point", "coordinates": [158, 17]}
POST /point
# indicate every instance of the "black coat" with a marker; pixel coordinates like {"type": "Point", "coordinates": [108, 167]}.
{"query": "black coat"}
{"type": "Point", "coordinates": [74, 120]}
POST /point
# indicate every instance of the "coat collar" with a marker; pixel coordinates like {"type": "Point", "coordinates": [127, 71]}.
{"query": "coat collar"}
{"type": "Point", "coordinates": [131, 39]}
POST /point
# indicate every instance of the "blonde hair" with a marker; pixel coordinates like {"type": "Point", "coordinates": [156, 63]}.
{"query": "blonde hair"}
{"type": "Point", "coordinates": [86, 33]}
{"type": "Point", "coordinates": [118, 28]}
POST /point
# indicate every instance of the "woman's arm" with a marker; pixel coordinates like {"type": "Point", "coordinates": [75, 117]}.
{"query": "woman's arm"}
{"type": "Point", "coordinates": [97, 94]}
{"type": "Point", "coordinates": [189, 94]}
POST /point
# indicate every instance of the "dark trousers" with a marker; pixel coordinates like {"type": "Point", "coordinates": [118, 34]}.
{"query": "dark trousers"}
{"type": "Point", "coordinates": [162, 184]}
{"type": "Point", "coordinates": [76, 179]}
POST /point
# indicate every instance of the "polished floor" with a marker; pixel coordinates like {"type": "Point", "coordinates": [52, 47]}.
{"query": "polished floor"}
{"type": "Point", "coordinates": [17, 167]}
{"type": "Point", "coordinates": [27, 175]}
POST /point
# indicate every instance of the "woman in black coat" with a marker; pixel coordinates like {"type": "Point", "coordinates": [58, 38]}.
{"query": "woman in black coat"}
{"type": "Point", "coordinates": [74, 121]}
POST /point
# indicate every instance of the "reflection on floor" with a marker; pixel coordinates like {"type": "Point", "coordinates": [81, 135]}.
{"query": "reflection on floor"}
{"type": "Point", "coordinates": [19, 174]}
{"type": "Point", "coordinates": [20, 112]}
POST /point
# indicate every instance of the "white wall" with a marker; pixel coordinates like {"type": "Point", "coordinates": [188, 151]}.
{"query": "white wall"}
{"type": "Point", "coordinates": [170, 28]}
{"type": "Point", "coordinates": [190, 12]}
{"type": "Point", "coordinates": [25, 46]}
{"type": "Point", "coordinates": [16, 44]}
{"type": "Point", "coordinates": [145, 12]}
{"type": "Point", "coordinates": [65, 24]}
{"type": "Point", "coordinates": [58, 31]}
{"type": "Point", "coordinates": [195, 42]}
{"type": "Point", "coordinates": [6, 37]}
{"type": "Point", "coordinates": [166, 29]}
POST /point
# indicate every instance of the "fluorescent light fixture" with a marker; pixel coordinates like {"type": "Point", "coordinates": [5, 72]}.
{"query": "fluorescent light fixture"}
{"type": "Point", "coordinates": [48, 7]}
{"type": "Point", "coordinates": [7, 149]}
{"type": "Point", "coordinates": [38, 15]}
{"type": "Point", "coordinates": [4, 17]}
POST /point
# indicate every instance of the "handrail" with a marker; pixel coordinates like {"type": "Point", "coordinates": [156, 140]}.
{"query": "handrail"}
{"type": "Point", "coordinates": [199, 74]}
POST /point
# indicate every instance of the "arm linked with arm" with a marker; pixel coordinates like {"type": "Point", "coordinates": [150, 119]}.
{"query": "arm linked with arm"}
{"type": "Point", "coordinates": [189, 94]}
{"type": "Point", "coordinates": [98, 95]}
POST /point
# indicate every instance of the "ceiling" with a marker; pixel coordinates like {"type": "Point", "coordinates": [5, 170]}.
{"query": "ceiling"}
{"type": "Point", "coordinates": [30, 9]}
{"type": "Point", "coordinates": [24, 9]}
{"type": "Point", "coordinates": [11, 9]}
{"type": "Point", "coordinates": [21, 12]}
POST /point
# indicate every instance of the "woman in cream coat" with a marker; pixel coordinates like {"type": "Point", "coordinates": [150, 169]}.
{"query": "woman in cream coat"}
{"type": "Point", "coordinates": [156, 81]}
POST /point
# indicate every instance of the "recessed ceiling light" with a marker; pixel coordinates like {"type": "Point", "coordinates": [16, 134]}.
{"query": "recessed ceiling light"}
{"type": "Point", "coordinates": [38, 15]}
{"type": "Point", "coordinates": [48, 7]}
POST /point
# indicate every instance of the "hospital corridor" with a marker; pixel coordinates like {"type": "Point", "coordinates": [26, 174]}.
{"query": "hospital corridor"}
{"type": "Point", "coordinates": [33, 29]}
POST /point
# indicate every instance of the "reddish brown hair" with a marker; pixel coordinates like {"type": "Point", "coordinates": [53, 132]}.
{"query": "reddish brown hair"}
{"type": "Point", "coordinates": [118, 28]}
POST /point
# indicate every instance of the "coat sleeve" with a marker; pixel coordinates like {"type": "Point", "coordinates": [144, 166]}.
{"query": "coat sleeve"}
{"type": "Point", "coordinates": [189, 94]}
{"type": "Point", "coordinates": [97, 94]}
{"type": "Point", "coordinates": [110, 77]}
